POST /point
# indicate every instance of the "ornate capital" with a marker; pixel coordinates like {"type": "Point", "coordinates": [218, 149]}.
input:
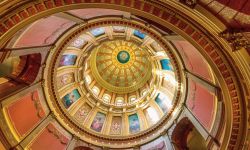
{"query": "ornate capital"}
{"type": "Point", "coordinates": [189, 3]}
{"type": "Point", "coordinates": [237, 39]}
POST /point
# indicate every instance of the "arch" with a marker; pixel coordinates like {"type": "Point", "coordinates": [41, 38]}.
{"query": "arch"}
{"type": "Point", "coordinates": [119, 101]}
{"type": "Point", "coordinates": [106, 98]}
{"type": "Point", "coordinates": [185, 134]}
{"type": "Point", "coordinates": [25, 74]}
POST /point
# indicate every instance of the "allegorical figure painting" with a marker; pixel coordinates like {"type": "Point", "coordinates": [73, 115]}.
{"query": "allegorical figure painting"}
{"type": "Point", "coordinates": [161, 102]}
{"type": "Point", "coordinates": [65, 79]}
{"type": "Point", "coordinates": [82, 113]}
{"type": "Point", "coordinates": [98, 122]}
{"type": "Point", "coordinates": [67, 60]}
{"type": "Point", "coordinates": [116, 125]}
{"type": "Point", "coordinates": [70, 98]}
{"type": "Point", "coordinates": [165, 64]}
{"type": "Point", "coordinates": [159, 146]}
{"type": "Point", "coordinates": [134, 123]}
{"type": "Point", "coordinates": [151, 115]}
{"type": "Point", "coordinates": [98, 31]}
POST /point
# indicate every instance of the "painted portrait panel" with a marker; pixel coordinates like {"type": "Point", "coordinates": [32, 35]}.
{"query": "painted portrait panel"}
{"type": "Point", "coordinates": [139, 34]}
{"type": "Point", "coordinates": [160, 101]}
{"type": "Point", "coordinates": [134, 123]}
{"type": "Point", "coordinates": [165, 64]}
{"type": "Point", "coordinates": [78, 43]}
{"type": "Point", "coordinates": [152, 115]}
{"type": "Point", "coordinates": [70, 98]}
{"type": "Point", "coordinates": [82, 113]}
{"type": "Point", "coordinates": [67, 60]}
{"type": "Point", "coordinates": [158, 144]}
{"type": "Point", "coordinates": [65, 79]}
{"type": "Point", "coordinates": [98, 31]}
{"type": "Point", "coordinates": [116, 125]}
{"type": "Point", "coordinates": [98, 122]}
{"type": "Point", "coordinates": [119, 29]}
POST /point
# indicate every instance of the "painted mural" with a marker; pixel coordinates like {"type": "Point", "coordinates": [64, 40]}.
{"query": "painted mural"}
{"type": "Point", "coordinates": [65, 79]}
{"type": "Point", "coordinates": [82, 113]}
{"type": "Point", "coordinates": [67, 60]}
{"type": "Point", "coordinates": [98, 122]}
{"type": "Point", "coordinates": [119, 29]}
{"type": "Point", "coordinates": [134, 123]}
{"type": "Point", "coordinates": [160, 101]}
{"type": "Point", "coordinates": [78, 43]}
{"type": "Point", "coordinates": [98, 31]}
{"type": "Point", "coordinates": [139, 34]}
{"type": "Point", "coordinates": [70, 98]}
{"type": "Point", "coordinates": [165, 64]}
{"type": "Point", "coordinates": [156, 46]}
{"type": "Point", "coordinates": [116, 125]}
{"type": "Point", "coordinates": [159, 146]}
{"type": "Point", "coordinates": [152, 115]}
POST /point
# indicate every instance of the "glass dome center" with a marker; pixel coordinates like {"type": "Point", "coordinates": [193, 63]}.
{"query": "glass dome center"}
{"type": "Point", "coordinates": [123, 57]}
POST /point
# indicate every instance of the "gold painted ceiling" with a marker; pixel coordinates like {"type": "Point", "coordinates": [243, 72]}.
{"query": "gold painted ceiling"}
{"type": "Point", "coordinates": [114, 82]}
{"type": "Point", "coordinates": [121, 66]}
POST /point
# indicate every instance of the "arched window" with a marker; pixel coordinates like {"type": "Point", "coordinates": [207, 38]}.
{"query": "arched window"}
{"type": "Point", "coordinates": [106, 98]}
{"type": "Point", "coordinates": [96, 90]}
{"type": "Point", "coordinates": [144, 92]}
{"type": "Point", "coordinates": [185, 136]}
{"type": "Point", "coordinates": [132, 99]}
{"type": "Point", "coordinates": [88, 79]}
{"type": "Point", "coordinates": [119, 101]}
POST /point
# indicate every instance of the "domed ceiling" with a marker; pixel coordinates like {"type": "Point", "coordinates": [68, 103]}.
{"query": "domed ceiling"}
{"type": "Point", "coordinates": [115, 83]}
{"type": "Point", "coordinates": [120, 66]}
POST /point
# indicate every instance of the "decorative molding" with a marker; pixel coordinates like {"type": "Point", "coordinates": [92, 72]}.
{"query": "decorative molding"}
{"type": "Point", "coordinates": [237, 39]}
{"type": "Point", "coordinates": [189, 3]}
{"type": "Point", "coordinates": [13, 20]}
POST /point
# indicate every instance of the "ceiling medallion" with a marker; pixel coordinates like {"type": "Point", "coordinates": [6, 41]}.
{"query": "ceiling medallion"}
{"type": "Point", "coordinates": [123, 57]}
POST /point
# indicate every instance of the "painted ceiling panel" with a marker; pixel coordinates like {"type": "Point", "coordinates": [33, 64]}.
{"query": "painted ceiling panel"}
{"type": "Point", "coordinates": [44, 32]}
{"type": "Point", "coordinates": [193, 59]}
{"type": "Point", "coordinates": [26, 113]}
{"type": "Point", "coordinates": [50, 139]}
{"type": "Point", "coordinates": [92, 12]}
{"type": "Point", "coordinates": [201, 102]}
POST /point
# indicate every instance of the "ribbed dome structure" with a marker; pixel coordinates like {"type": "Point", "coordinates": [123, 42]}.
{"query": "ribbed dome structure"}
{"type": "Point", "coordinates": [121, 66]}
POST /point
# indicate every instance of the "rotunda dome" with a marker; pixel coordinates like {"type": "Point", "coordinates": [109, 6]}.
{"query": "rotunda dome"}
{"type": "Point", "coordinates": [128, 85]}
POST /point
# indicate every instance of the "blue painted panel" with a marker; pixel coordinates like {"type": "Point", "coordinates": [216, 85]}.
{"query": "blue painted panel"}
{"type": "Point", "coordinates": [161, 103]}
{"type": "Point", "coordinates": [68, 60]}
{"type": "Point", "coordinates": [139, 34]}
{"type": "Point", "coordinates": [97, 31]}
{"type": "Point", "coordinates": [134, 123]}
{"type": "Point", "coordinates": [70, 98]}
{"type": "Point", "coordinates": [165, 64]}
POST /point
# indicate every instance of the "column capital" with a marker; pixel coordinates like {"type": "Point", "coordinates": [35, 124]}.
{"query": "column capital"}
{"type": "Point", "coordinates": [236, 38]}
